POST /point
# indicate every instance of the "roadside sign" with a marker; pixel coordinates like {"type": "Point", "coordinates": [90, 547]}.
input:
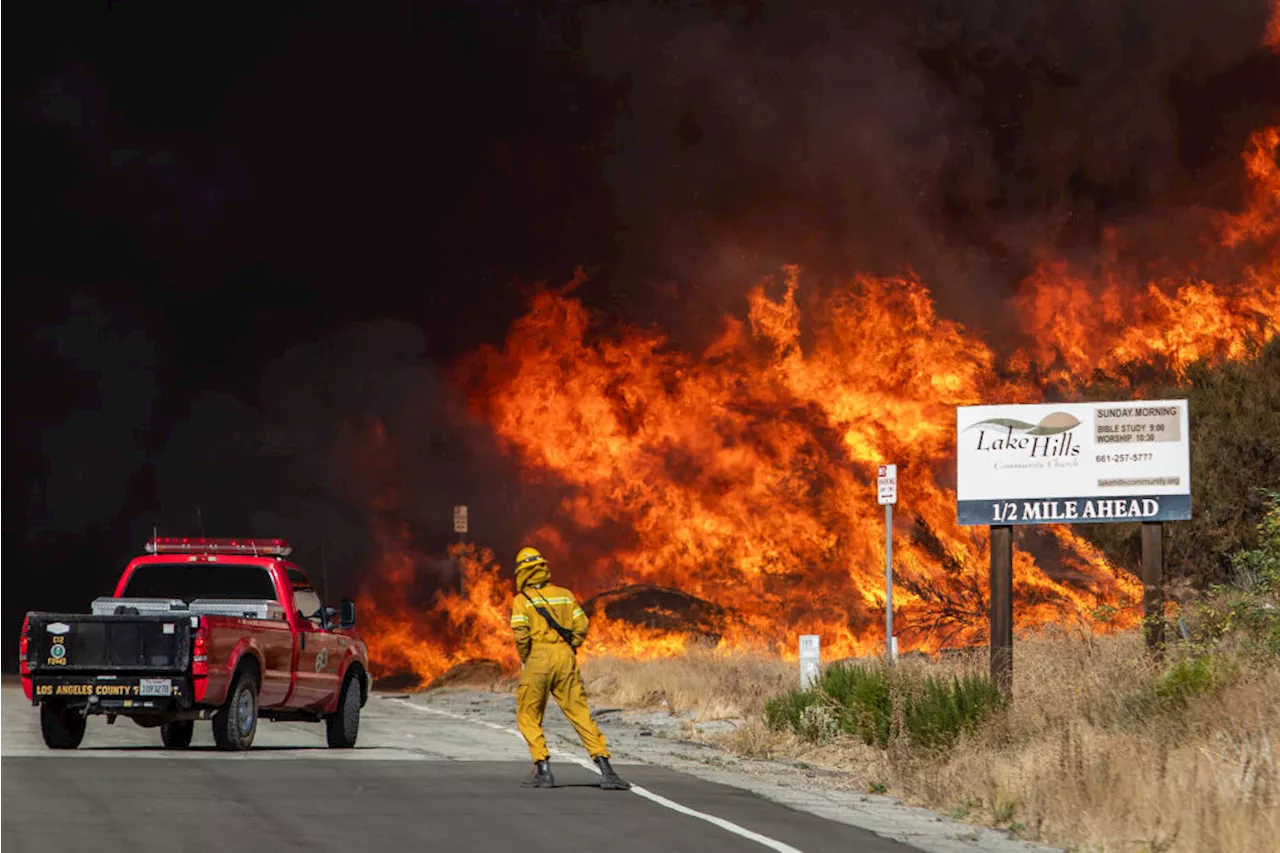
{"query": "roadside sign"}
{"type": "Point", "coordinates": [1073, 463]}
{"type": "Point", "coordinates": [887, 492]}
{"type": "Point", "coordinates": [810, 660]}
{"type": "Point", "coordinates": [460, 519]}
{"type": "Point", "coordinates": [887, 484]}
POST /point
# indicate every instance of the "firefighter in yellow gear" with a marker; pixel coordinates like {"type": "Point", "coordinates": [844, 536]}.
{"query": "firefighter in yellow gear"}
{"type": "Point", "coordinates": [549, 627]}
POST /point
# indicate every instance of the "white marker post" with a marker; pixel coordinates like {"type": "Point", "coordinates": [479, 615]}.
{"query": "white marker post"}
{"type": "Point", "coordinates": [810, 660]}
{"type": "Point", "coordinates": [887, 490]}
{"type": "Point", "coordinates": [460, 528]}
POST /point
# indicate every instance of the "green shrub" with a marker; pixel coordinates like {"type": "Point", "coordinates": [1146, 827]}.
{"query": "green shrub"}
{"type": "Point", "coordinates": [864, 701]}
{"type": "Point", "coordinates": [1189, 677]}
{"type": "Point", "coordinates": [937, 714]}
{"type": "Point", "coordinates": [784, 712]}
{"type": "Point", "coordinates": [818, 724]}
{"type": "Point", "coordinates": [1258, 569]}
{"type": "Point", "coordinates": [1243, 617]}
{"type": "Point", "coordinates": [862, 696]}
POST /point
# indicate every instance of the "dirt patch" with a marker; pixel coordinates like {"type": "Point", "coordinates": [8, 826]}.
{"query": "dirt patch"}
{"type": "Point", "coordinates": [474, 674]}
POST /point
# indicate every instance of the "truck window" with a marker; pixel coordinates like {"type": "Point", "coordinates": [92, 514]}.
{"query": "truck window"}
{"type": "Point", "coordinates": [305, 596]}
{"type": "Point", "coordinates": [189, 581]}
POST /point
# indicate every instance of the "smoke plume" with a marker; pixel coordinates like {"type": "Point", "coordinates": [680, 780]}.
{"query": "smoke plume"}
{"type": "Point", "coordinates": [301, 462]}
{"type": "Point", "coordinates": [961, 140]}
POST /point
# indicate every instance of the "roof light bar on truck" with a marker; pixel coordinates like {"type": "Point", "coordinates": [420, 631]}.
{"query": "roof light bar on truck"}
{"type": "Point", "coordinates": [255, 547]}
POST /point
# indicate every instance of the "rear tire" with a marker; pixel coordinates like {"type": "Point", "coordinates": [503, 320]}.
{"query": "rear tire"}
{"type": "Point", "coordinates": [236, 723]}
{"type": "Point", "coordinates": [61, 727]}
{"type": "Point", "coordinates": [343, 726]}
{"type": "Point", "coordinates": [177, 735]}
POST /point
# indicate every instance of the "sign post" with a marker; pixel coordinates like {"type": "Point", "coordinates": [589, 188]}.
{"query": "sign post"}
{"type": "Point", "coordinates": [460, 528]}
{"type": "Point", "coordinates": [810, 660]}
{"type": "Point", "coordinates": [1153, 587]}
{"type": "Point", "coordinates": [1071, 463]}
{"type": "Point", "coordinates": [1001, 606]}
{"type": "Point", "coordinates": [887, 492]}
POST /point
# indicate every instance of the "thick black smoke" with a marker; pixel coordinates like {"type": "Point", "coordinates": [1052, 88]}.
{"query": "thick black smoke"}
{"type": "Point", "coordinates": [97, 449]}
{"type": "Point", "coordinates": [348, 441]}
{"type": "Point", "coordinates": [960, 139]}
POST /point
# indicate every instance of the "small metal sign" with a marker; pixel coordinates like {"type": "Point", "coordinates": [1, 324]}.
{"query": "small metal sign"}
{"type": "Point", "coordinates": [887, 484]}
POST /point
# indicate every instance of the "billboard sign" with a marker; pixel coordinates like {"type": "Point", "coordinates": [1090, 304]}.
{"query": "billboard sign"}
{"type": "Point", "coordinates": [1073, 463]}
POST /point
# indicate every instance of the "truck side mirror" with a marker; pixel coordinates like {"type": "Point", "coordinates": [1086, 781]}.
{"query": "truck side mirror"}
{"type": "Point", "coordinates": [347, 614]}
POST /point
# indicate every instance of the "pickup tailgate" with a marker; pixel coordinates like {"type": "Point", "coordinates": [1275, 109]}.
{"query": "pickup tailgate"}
{"type": "Point", "coordinates": [65, 643]}
{"type": "Point", "coordinates": [126, 663]}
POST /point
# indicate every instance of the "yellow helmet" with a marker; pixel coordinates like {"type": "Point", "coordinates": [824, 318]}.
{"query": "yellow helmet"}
{"type": "Point", "coordinates": [530, 557]}
{"type": "Point", "coordinates": [531, 568]}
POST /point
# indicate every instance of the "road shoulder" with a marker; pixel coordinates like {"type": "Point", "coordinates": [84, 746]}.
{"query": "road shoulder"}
{"type": "Point", "coordinates": [831, 795]}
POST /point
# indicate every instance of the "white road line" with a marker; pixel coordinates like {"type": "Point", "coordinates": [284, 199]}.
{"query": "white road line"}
{"type": "Point", "coordinates": [728, 826]}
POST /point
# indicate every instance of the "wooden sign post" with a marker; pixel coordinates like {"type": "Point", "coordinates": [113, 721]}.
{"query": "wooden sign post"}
{"type": "Point", "coordinates": [1153, 586]}
{"type": "Point", "coordinates": [1001, 615]}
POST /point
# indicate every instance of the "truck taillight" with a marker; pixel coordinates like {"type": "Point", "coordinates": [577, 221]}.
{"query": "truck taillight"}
{"type": "Point", "coordinates": [200, 653]}
{"type": "Point", "coordinates": [23, 667]}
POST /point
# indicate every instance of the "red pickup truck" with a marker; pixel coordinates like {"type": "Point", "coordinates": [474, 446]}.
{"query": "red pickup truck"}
{"type": "Point", "coordinates": [219, 629]}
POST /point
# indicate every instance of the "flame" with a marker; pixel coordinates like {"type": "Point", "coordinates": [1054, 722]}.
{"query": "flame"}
{"type": "Point", "coordinates": [743, 474]}
{"type": "Point", "coordinates": [1080, 326]}
{"type": "Point", "coordinates": [1262, 219]}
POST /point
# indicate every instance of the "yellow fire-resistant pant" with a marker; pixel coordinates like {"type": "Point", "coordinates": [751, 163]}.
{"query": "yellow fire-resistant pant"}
{"type": "Point", "coordinates": [551, 669]}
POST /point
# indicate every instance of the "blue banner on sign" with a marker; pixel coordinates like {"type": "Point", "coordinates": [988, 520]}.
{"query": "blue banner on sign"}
{"type": "Point", "coordinates": [1074, 510]}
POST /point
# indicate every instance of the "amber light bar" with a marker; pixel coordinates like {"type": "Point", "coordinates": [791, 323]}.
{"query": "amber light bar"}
{"type": "Point", "coordinates": [256, 547]}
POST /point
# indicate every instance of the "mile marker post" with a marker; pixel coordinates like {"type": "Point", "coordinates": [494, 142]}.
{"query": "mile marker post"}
{"type": "Point", "coordinates": [810, 660]}
{"type": "Point", "coordinates": [887, 492]}
{"type": "Point", "coordinates": [460, 528]}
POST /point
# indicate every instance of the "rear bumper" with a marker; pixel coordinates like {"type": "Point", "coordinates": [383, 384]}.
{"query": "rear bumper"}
{"type": "Point", "coordinates": [115, 694]}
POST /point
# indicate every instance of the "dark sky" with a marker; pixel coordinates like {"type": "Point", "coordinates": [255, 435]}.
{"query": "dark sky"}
{"type": "Point", "coordinates": [233, 237]}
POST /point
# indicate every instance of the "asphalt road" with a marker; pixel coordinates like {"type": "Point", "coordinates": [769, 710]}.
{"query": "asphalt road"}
{"type": "Point", "coordinates": [416, 779]}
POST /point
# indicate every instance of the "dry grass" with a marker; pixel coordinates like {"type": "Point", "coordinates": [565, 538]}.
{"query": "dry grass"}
{"type": "Point", "coordinates": [1083, 758]}
{"type": "Point", "coordinates": [708, 684]}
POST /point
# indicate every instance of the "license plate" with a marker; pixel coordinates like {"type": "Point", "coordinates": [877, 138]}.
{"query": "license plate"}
{"type": "Point", "coordinates": [155, 686]}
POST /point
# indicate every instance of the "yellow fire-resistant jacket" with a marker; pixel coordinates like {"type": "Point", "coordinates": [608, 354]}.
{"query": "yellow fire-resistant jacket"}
{"type": "Point", "coordinates": [531, 629]}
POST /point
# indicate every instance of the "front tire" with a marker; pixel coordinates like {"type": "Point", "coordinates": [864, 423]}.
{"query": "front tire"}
{"type": "Point", "coordinates": [61, 727]}
{"type": "Point", "coordinates": [177, 735]}
{"type": "Point", "coordinates": [236, 723]}
{"type": "Point", "coordinates": [343, 725]}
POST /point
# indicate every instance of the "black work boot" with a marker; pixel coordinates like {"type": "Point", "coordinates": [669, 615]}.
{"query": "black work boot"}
{"type": "Point", "coordinates": [609, 780]}
{"type": "Point", "coordinates": [541, 776]}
